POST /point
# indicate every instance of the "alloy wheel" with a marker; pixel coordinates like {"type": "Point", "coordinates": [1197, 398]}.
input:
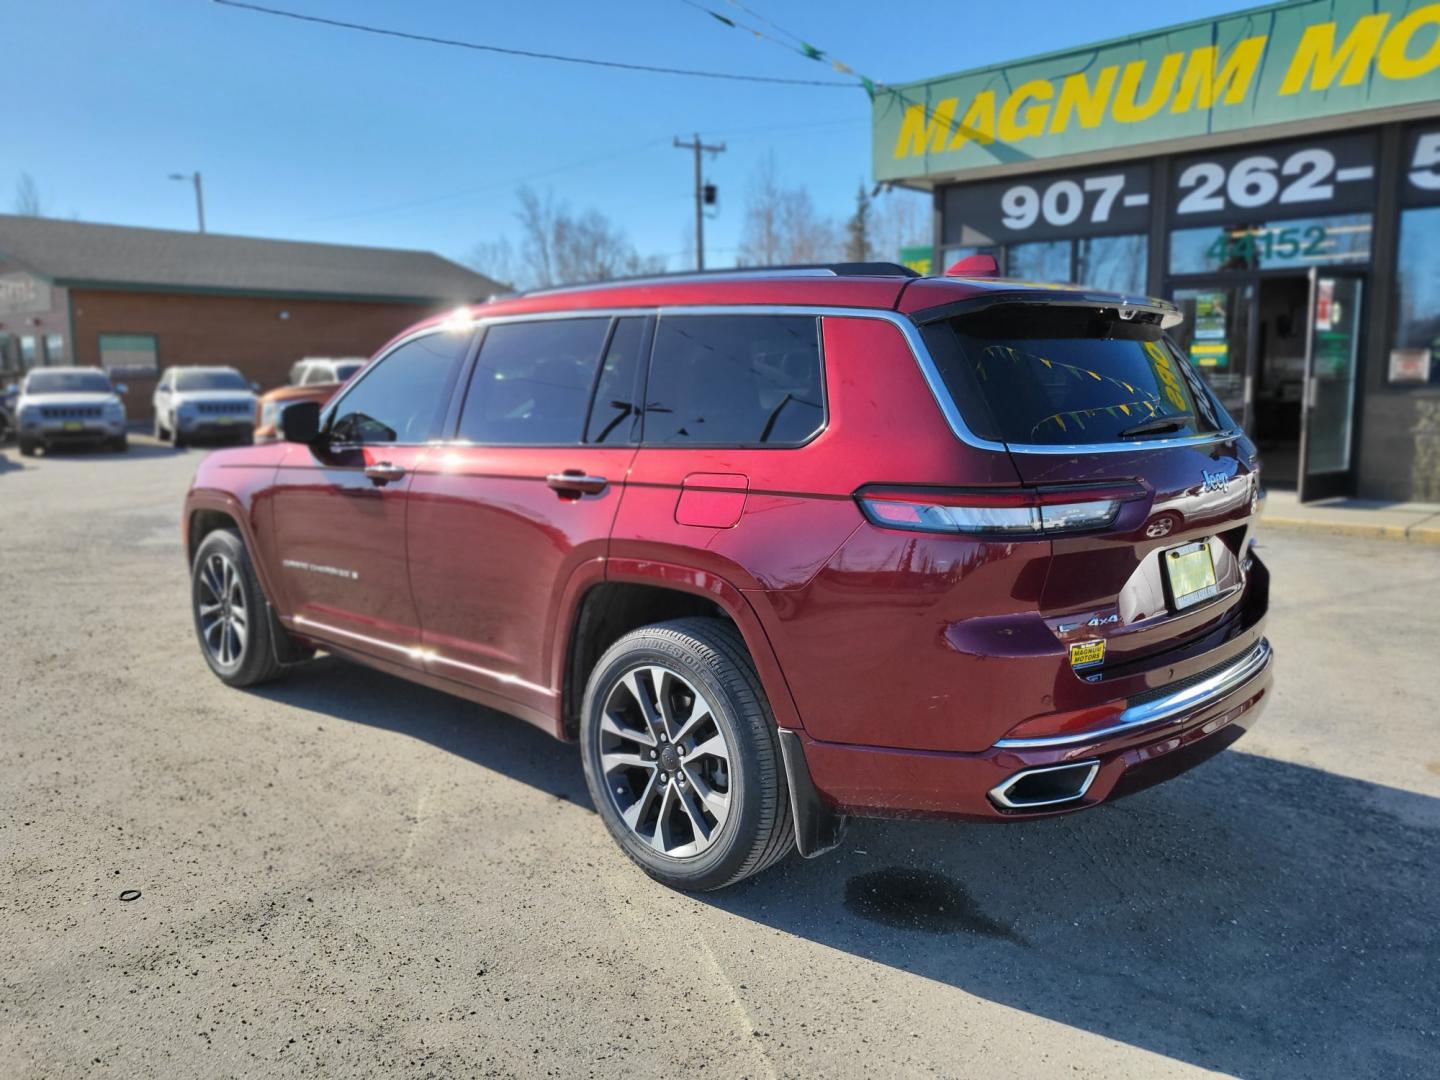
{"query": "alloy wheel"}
{"type": "Point", "coordinates": [224, 618]}
{"type": "Point", "coordinates": [666, 761]}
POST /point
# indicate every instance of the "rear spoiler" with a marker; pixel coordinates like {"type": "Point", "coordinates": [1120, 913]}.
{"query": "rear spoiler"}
{"type": "Point", "coordinates": [1141, 309]}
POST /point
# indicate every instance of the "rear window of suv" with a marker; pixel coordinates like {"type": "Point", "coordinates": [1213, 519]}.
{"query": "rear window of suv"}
{"type": "Point", "coordinates": [1059, 376]}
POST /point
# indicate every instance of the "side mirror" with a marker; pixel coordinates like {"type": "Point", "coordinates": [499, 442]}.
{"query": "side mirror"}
{"type": "Point", "coordinates": [300, 422]}
{"type": "Point", "coordinates": [12, 388]}
{"type": "Point", "coordinates": [254, 386]}
{"type": "Point", "coordinates": [121, 388]}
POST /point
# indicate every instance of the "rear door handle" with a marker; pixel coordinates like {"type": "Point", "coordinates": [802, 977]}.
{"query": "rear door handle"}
{"type": "Point", "coordinates": [382, 472]}
{"type": "Point", "coordinates": [577, 481]}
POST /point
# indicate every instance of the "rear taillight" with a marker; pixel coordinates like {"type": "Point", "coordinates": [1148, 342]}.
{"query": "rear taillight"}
{"type": "Point", "coordinates": [1042, 511]}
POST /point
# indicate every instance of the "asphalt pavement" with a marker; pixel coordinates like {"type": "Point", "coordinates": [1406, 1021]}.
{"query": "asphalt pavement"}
{"type": "Point", "coordinates": [344, 874]}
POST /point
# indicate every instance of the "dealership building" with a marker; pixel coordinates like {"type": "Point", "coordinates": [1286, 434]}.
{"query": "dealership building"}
{"type": "Point", "coordinates": [1274, 172]}
{"type": "Point", "coordinates": [135, 301]}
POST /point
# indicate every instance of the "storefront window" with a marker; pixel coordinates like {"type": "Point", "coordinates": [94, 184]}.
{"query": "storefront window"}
{"type": "Point", "coordinates": [950, 256]}
{"type": "Point", "coordinates": [1113, 263]}
{"type": "Point", "coordinates": [27, 351]}
{"type": "Point", "coordinates": [1048, 260]}
{"type": "Point", "coordinates": [1416, 342]}
{"type": "Point", "coordinates": [1343, 240]}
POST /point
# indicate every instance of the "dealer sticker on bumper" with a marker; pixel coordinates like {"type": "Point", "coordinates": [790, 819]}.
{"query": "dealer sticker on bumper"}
{"type": "Point", "coordinates": [1087, 653]}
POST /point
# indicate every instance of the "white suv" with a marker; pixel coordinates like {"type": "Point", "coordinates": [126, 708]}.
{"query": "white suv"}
{"type": "Point", "coordinates": [204, 402]}
{"type": "Point", "coordinates": [66, 405]}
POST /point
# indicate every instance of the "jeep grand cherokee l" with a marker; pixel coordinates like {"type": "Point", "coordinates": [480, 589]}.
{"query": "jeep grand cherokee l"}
{"type": "Point", "coordinates": [774, 547]}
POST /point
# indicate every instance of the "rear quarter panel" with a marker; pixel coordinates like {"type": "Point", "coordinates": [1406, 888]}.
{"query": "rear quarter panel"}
{"type": "Point", "coordinates": [883, 425]}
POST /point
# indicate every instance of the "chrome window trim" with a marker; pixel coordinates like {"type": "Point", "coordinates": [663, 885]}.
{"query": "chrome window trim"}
{"type": "Point", "coordinates": [908, 328]}
{"type": "Point", "coordinates": [1195, 696]}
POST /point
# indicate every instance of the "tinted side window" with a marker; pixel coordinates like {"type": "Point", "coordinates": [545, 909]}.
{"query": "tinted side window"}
{"type": "Point", "coordinates": [402, 399]}
{"type": "Point", "coordinates": [613, 415]}
{"type": "Point", "coordinates": [734, 380]}
{"type": "Point", "coordinates": [532, 382]}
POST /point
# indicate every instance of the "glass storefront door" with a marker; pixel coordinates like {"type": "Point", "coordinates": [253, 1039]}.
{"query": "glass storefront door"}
{"type": "Point", "coordinates": [1216, 336]}
{"type": "Point", "coordinates": [1327, 434]}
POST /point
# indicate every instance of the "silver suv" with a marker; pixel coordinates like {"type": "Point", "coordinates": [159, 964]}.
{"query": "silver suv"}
{"type": "Point", "coordinates": [204, 403]}
{"type": "Point", "coordinates": [67, 405]}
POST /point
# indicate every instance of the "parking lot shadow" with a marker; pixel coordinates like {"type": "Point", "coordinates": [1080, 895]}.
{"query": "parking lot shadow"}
{"type": "Point", "coordinates": [92, 454]}
{"type": "Point", "coordinates": [1256, 917]}
{"type": "Point", "coordinates": [494, 740]}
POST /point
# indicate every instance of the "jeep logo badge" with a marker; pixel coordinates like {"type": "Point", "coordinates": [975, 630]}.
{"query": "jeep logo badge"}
{"type": "Point", "coordinates": [1215, 481]}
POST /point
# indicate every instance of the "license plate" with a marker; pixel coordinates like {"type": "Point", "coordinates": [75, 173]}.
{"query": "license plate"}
{"type": "Point", "coordinates": [1191, 570]}
{"type": "Point", "coordinates": [74, 425]}
{"type": "Point", "coordinates": [224, 420]}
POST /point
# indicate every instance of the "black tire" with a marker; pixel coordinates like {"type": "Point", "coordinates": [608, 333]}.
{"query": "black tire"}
{"type": "Point", "coordinates": [255, 660]}
{"type": "Point", "coordinates": [120, 444]}
{"type": "Point", "coordinates": [177, 440]}
{"type": "Point", "coordinates": [27, 448]}
{"type": "Point", "coordinates": [758, 829]}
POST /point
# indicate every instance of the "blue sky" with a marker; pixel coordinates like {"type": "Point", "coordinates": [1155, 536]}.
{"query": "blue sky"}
{"type": "Point", "coordinates": [308, 132]}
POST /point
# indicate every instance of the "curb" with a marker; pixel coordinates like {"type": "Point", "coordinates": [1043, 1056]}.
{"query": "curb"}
{"type": "Point", "coordinates": [1414, 534]}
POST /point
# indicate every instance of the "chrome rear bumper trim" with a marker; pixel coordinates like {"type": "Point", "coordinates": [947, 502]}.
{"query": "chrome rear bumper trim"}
{"type": "Point", "coordinates": [1195, 696]}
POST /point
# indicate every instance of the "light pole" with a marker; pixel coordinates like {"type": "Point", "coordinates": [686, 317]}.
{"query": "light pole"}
{"type": "Point", "coordinates": [199, 194]}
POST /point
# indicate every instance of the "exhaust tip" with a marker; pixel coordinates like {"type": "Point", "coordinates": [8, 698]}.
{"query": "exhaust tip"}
{"type": "Point", "coordinates": [1050, 785]}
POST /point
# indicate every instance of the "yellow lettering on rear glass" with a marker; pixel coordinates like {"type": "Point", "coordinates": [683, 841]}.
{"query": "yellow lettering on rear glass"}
{"type": "Point", "coordinates": [979, 122]}
{"type": "Point", "coordinates": [1077, 96]}
{"type": "Point", "coordinates": [1207, 81]}
{"type": "Point", "coordinates": [1038, 90]}
{"type": "Point", "coordinates": [1126, 109]}
{"type": "Point", "coordinates": [1165, 374]}
{"type": "Point", "coordinates": [923, 129]}
{"type": "Point", "coordinates": [1395, 61]}
{"type": "Point", "coordinates": [1317, 51]}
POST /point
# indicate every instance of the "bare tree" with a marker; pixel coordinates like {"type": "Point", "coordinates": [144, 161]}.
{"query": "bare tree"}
{"type": "Point", "coordinates": [857, 229]}
{"type": "Point", "coordinates": [782, 225]}
{"type": "Point", "coordinates": [560, 247]}
{"type": "Point", "coordinates": [496, 260]}
{"type": "Point", "coordinates": [27, 197]}
{"type": "Point", "coordinates": [899, 218]}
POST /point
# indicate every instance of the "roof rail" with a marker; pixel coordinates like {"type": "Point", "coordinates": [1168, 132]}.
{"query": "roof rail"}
{"type": "Point", "coordinates": [839, 269]}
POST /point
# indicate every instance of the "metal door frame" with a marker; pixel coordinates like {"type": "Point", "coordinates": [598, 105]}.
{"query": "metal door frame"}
{"type": "Point", "coordinates": [1341, 481]}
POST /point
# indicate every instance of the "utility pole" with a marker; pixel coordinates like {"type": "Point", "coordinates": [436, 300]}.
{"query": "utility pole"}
{"type": "Point", "coordinates": [199, 195]}
{"type": "Point", "coordinates": [697, 146]}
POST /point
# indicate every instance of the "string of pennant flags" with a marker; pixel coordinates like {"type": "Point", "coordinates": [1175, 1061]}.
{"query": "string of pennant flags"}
{"type": "Point", "coordinates": [796, 44]}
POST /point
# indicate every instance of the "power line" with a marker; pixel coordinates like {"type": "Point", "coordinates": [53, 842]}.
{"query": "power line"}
{"type": "Point", "coordinates": [528, 53]}
{"type": "Point", "coordinates": [431, 200]}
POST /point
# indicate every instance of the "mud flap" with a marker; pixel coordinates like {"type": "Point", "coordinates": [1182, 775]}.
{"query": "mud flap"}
{"type": "Point", "coordinates": [818, 828]}
{"type": "Point", "coordinates": [286, 650]}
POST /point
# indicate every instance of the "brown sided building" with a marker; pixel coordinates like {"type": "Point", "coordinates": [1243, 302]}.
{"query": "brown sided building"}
{"type": "Point", "coordinates": [135, 301]}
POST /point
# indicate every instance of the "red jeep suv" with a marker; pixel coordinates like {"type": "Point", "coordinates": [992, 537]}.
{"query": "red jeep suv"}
{"type": "Point", "coordinates": [775, 547]}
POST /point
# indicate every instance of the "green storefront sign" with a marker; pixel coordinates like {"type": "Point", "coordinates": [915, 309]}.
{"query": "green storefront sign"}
{"type": "Point", "coordinates": [1267, 66]}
